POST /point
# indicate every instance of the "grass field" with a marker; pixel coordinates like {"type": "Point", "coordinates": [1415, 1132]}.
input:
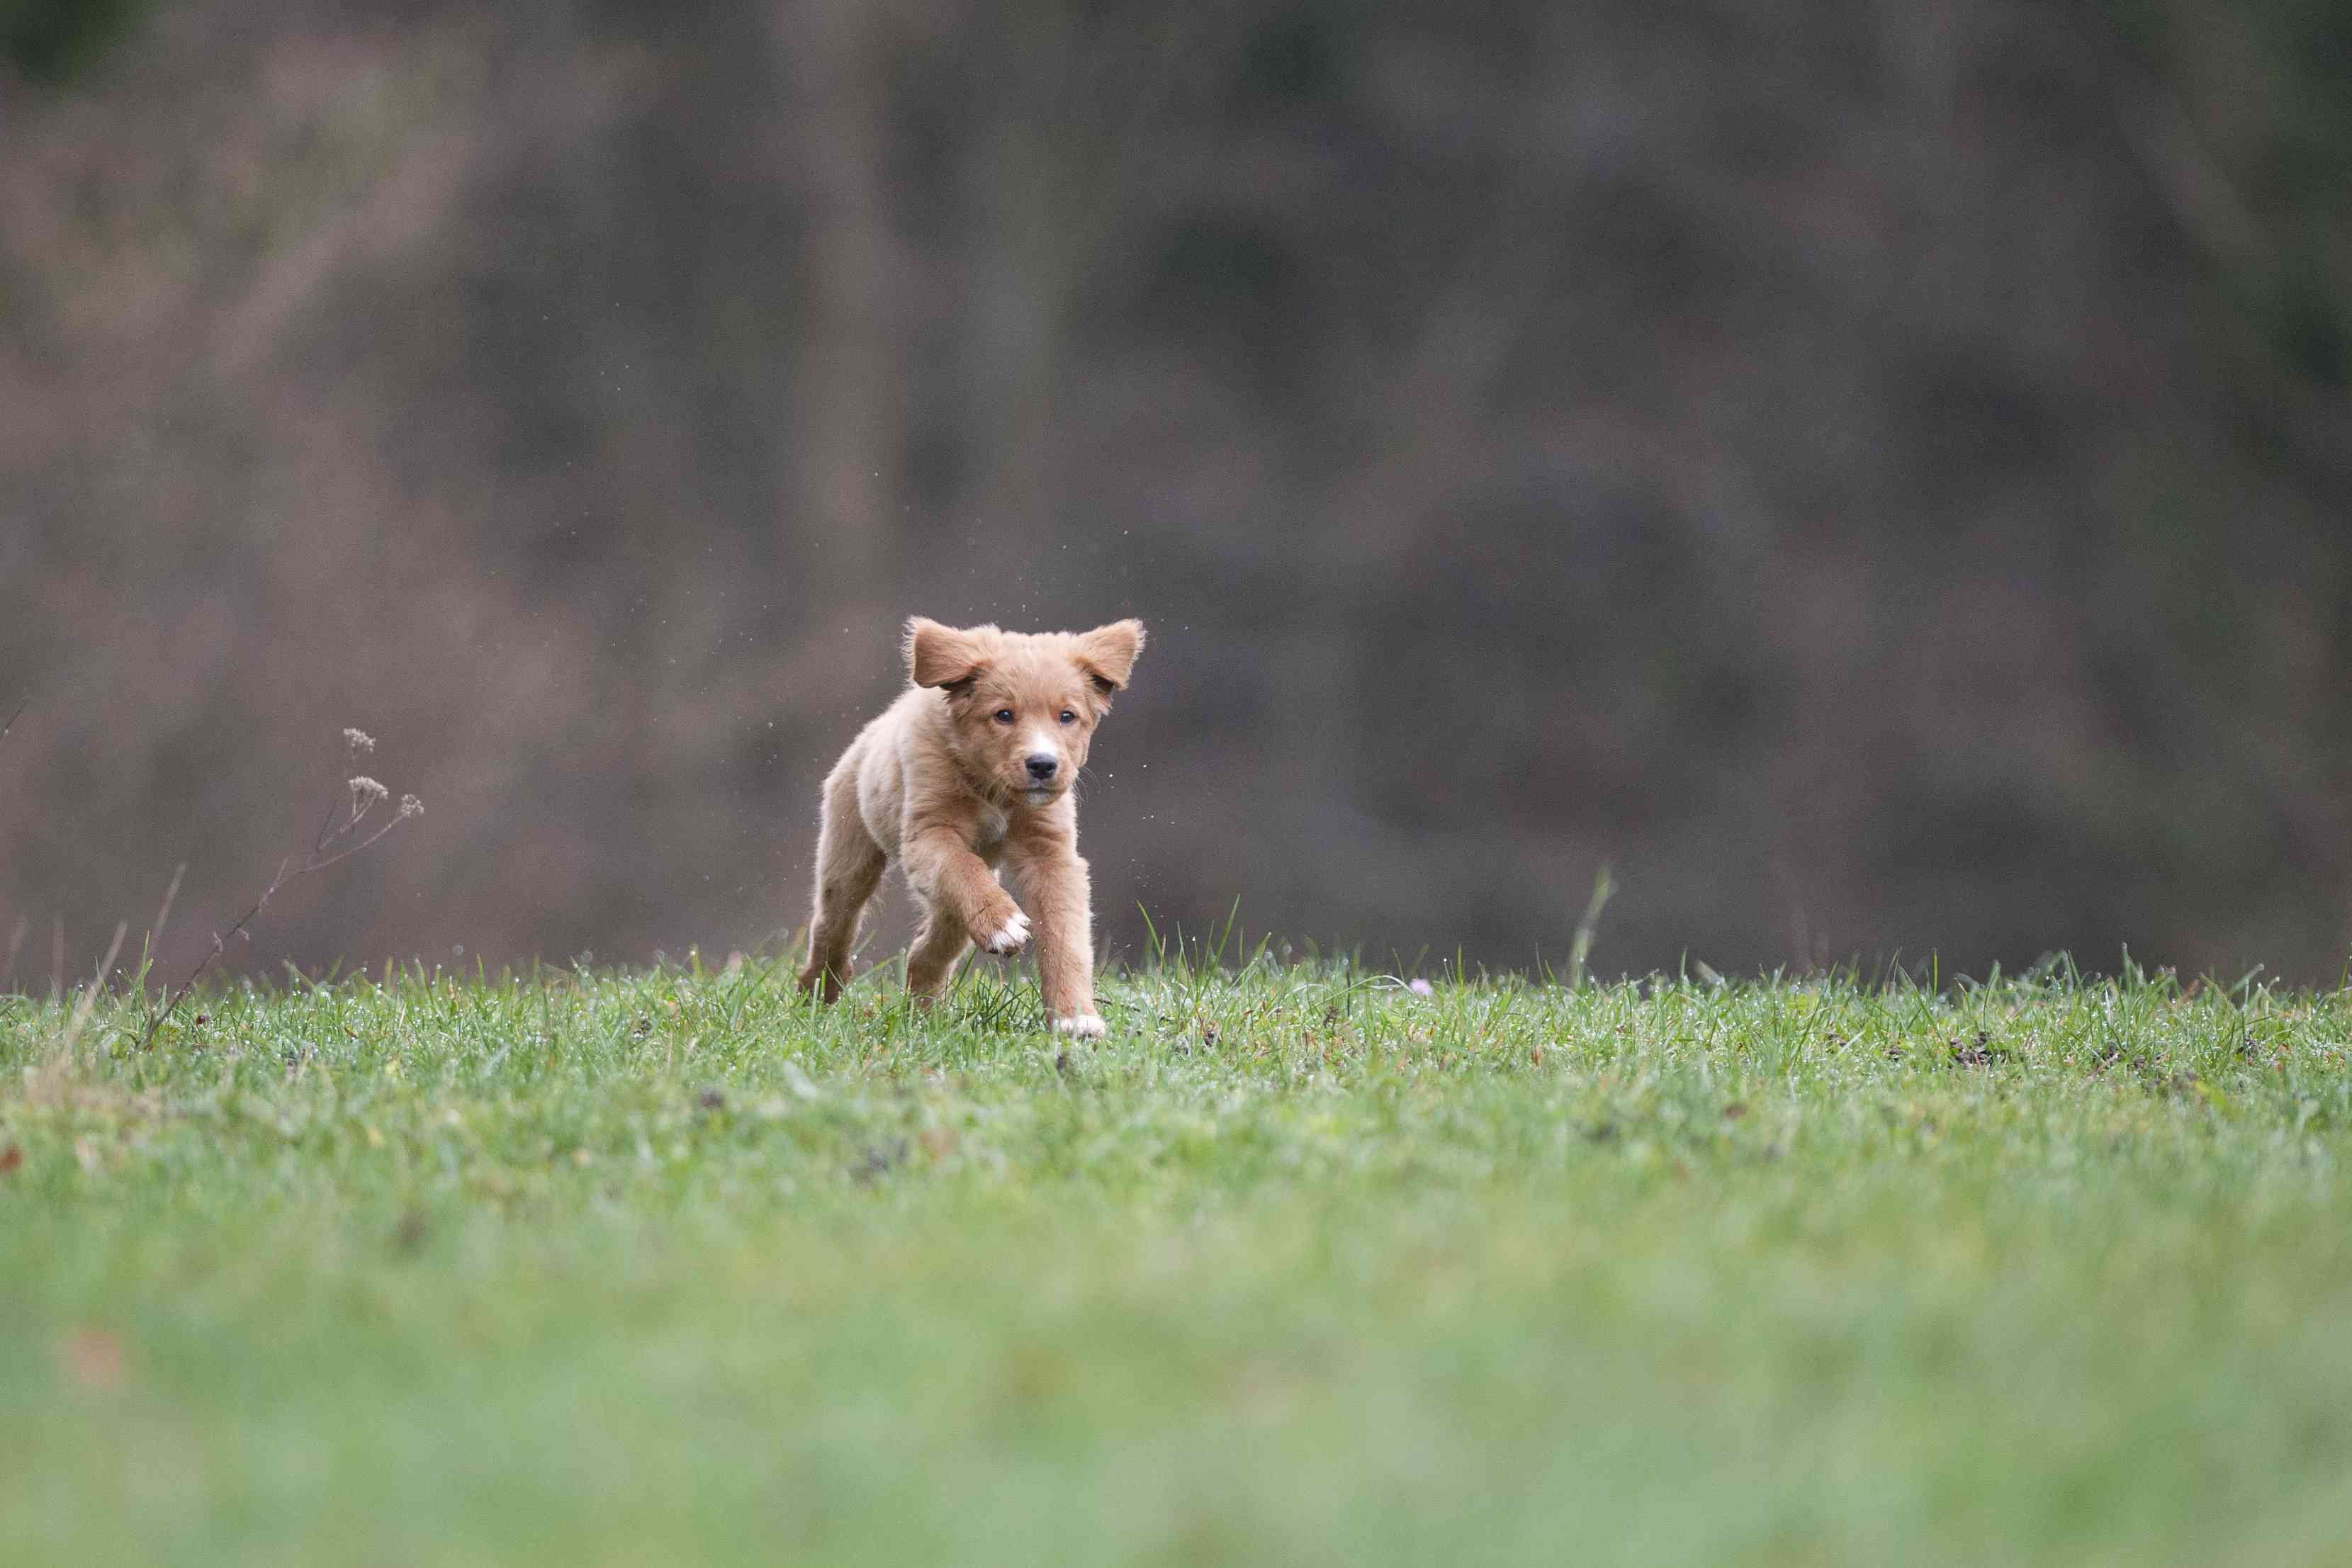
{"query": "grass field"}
{"type": "Point", "coordinates": [1299, 1266]}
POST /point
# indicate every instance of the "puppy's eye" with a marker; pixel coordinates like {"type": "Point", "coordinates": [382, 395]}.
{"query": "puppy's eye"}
{"type": "Point", "coordinates": [1005, 716]}
{"type": "Point", "coordinates": [1069, 717]}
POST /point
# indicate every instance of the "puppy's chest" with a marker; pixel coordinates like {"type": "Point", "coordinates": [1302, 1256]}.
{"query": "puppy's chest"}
{"type": "Point", "coordinates": [988, 833]}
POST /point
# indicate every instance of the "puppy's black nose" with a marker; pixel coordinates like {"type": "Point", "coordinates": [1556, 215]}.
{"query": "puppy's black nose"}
{"type": "Point", "coordinates": [1043, 765]}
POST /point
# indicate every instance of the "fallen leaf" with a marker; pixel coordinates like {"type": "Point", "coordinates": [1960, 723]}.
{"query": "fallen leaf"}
{"type": "Point", "coordinates": [10, 1158]}
{"type": "Point", "coordinates": [93, 1358]}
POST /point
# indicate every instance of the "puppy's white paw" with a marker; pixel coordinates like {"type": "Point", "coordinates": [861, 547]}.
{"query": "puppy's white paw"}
{"type": "Point", "coordinates": [1012, 938]}
{"type": "Point", "coordinates": [1085, 1026]}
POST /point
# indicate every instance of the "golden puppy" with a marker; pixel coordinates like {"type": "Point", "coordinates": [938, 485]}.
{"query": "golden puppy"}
{"type": "Point", "coordinates": [974, 765]}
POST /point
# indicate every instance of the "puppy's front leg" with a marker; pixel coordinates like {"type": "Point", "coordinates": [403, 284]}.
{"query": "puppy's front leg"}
{"type": "Point", "coordinates": [945, 874]}
{"type": "Point", "coordinates": [1054, 879]}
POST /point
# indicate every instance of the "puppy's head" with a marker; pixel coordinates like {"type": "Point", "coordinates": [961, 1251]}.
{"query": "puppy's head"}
{"type": "Point", "coordinates": [1023, 706]}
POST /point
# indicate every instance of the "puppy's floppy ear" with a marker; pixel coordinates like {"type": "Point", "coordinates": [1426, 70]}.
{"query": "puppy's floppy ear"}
{"type": "Point", "coordinates": [1108, 653]}
{"type": "Point", "coordinates": [940, 656]}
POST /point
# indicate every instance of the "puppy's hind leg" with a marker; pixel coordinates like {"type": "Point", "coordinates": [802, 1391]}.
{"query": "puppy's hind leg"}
{"type": "Point", "coordinates": [848, 868]}
{"type": "Point", "coordinates": [938, 945]}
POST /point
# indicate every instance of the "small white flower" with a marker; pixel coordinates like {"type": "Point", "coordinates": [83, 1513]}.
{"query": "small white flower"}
{"type": "Point", "coordinates": [410, 805]}
{"type": "Point", "coordinates": [360, 741]}
{"type": "Point", "coordinates": [365, 793]}
{"type": "Point", "coordinates": [1419, 988]}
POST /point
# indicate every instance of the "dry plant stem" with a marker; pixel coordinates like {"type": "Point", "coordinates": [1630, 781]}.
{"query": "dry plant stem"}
{"type": "Point", "coordinates": [80, 1019]}
{"type": "Point", "coordinates": [333, 843]}
{"type": "Point", "coordinates": [1603, 885]}
{"type": "Point", "coordinates": [348, 851]}
{"type": "Point", "coordinates": [155, 932]}
{"type": "Point", "coordinates": [220, 945]}
{"type": "Point", "coordinates": [16, 938]}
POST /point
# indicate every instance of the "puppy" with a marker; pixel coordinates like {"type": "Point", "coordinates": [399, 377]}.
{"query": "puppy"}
{"type": "Point", "coordinates": [973, 766]}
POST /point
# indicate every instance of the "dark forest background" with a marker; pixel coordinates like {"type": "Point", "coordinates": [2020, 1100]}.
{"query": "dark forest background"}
{"type": "Point", "coordinates": [1874, 474]}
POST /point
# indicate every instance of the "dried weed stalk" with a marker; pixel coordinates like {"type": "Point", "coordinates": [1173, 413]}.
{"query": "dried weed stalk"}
{"type": "Point", "coordinates": [348, 826]}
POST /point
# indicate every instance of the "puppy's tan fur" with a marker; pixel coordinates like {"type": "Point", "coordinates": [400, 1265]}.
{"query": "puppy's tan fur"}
{"type": "Point", "coordinates": [953, 780]}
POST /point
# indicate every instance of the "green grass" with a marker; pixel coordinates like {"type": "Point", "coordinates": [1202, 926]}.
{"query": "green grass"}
{"type": "Point", "coordinates": [1297, 1267]}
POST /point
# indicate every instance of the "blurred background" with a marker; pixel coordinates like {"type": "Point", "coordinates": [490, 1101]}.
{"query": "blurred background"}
{"type": "Point", "coordinates": [1874, 474]}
